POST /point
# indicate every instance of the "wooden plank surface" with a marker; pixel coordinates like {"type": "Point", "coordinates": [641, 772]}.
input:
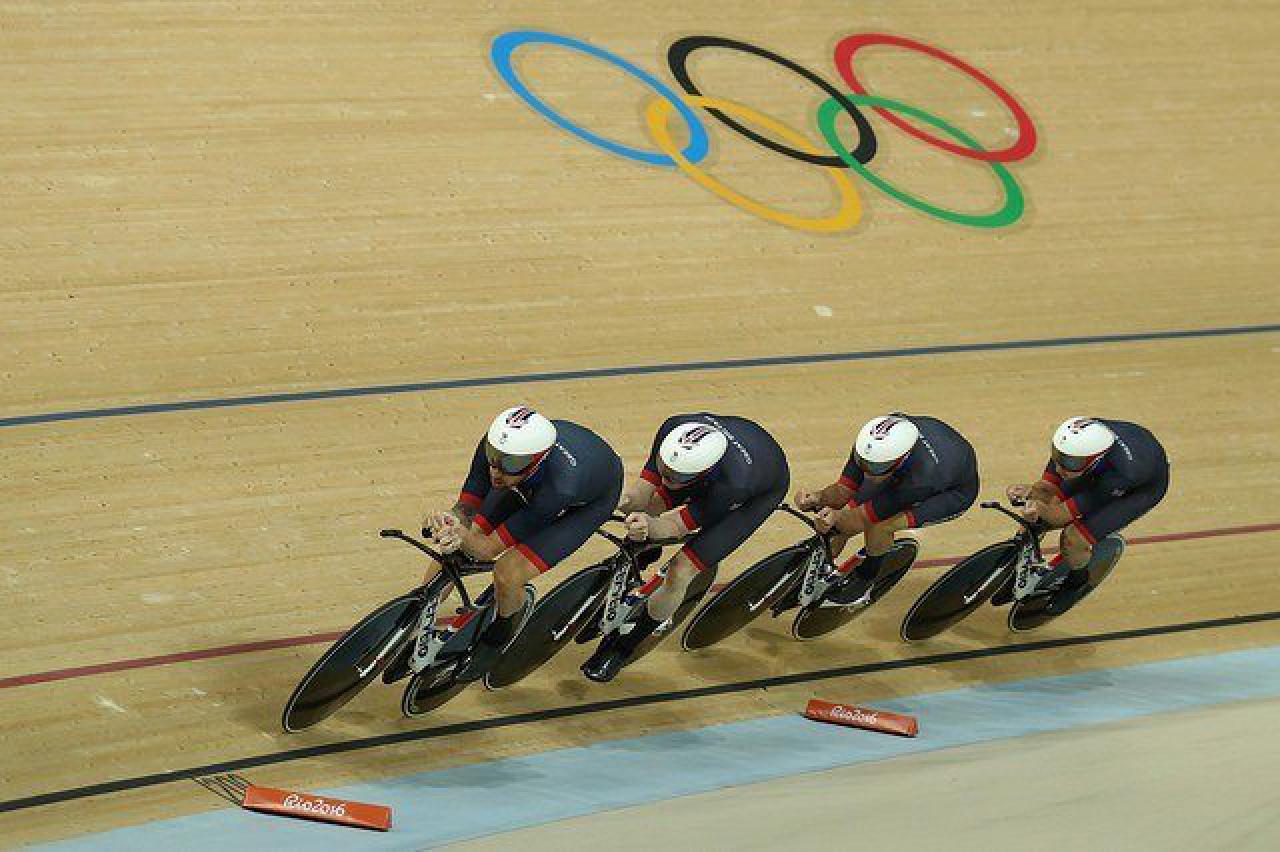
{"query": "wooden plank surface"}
{"type": "Point", "coordinates": [210, 200]}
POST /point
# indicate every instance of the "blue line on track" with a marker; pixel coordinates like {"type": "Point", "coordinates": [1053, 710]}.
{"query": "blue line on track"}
{"type": "Point", "coordinates": [633, 370]}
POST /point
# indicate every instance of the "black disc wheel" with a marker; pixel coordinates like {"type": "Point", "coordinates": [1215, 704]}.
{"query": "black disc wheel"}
{"type": "Point", "coordinates": [554, 622]}
{"type": "Point", "coordinates": [817, 620]}
{"type": "Point", "coordinates": [352, 662]}
{"type": "Point", "coordinates": [960, 591]}
{"type": "Point", "coordinates": [1038, 610]}
{"type": "Point", "coordinates": [429, 689]}
{"type": "Point", "coordinates": [745, 597]}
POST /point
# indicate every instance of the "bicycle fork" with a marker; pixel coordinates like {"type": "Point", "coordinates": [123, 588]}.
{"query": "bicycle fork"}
{"type": "Point", "coordinates": [425, 619]}
{"type": "Point", "coordinates": [1027, 573]}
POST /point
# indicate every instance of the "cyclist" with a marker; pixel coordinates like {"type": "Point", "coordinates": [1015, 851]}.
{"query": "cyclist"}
{"type": "Point", "coordinates": [536, 491]}
{"type": "Point", "coordinates": [714, 478]}
{"type": "Point", "coordinates": [904, 472]}
{"type": "Point", "coordinates": [1102, 475]}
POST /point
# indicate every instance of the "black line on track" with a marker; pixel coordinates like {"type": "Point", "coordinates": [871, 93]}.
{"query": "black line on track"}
{"type": "Point", "coordinates": [158, 778]}
{"type": "Point", "coordinates": [634, 370]}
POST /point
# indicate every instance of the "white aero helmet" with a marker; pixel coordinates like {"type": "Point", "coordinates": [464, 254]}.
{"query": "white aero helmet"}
{"type": "Point", "coordinates": [690, 450]}
{"type": "Point", "coordinates": [518, 439]}
{"type": "Point", "coordinates": [884, 442]}
{"type": "Point", "coordinates": [1079, 442]}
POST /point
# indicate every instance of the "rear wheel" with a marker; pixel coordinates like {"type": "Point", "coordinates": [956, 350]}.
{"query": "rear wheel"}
{"type": "Point", "coordinates": [816, 620]}
{"type": "Point", "coordinates": [960, 591]}
{"type": "Point", "coordinates": [745, 597]}
{"type": "Point", "coordinates": [1038, 610]}
{"type": "Point", "coordinates": [352, 662]}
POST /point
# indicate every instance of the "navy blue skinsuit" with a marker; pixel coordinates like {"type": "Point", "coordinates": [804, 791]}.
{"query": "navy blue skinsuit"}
{"type": "Point", "coordinates": [555, 510]}
{"type": "Point", "coordinates": [937, 482]}
{"type": "Point", "coordinates": [735, 497]}
{"type": "Point", "coordinates": [1122, 486]}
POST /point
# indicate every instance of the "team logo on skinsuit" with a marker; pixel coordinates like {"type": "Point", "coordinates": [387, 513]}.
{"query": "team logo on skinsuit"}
{"type": "Point", "coordinates": [835, 157]}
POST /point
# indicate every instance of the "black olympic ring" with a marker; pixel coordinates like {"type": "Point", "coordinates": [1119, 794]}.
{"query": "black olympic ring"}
{"type": "Point", "coordinates": [678, 60]}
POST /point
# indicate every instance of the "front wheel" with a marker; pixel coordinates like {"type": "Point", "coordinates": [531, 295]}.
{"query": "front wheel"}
{"type": "Point", "coordinates": [817, 620]}
{"type": "Point", "coordinates": [960, 591]}
{"type": "Point", "coordinates": [745, 597]}
{"type": "Point", "coordinates": [1038, 610]}
{"type": "Point", "coordinates": [352, 662]}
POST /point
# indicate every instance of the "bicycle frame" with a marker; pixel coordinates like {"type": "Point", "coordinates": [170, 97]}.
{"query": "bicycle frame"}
{"type": "Point", "coordinates": [1029, 553]}
{"type": "Point", "coordinates": [626, 592]}
{"type": "Point", "coordinates": [820, 569]}
{"type": "Point", "coordinates": [428, 638]}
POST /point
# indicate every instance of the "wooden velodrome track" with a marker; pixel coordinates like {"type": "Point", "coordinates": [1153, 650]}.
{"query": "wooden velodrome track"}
{"type": "Point", "coordinates": [208, 201]}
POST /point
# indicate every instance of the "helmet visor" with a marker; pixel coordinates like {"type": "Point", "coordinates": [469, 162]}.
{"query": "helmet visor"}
{"type": "Point", "coordinates": [675, 476]}
{"type": "Point", "coordinates": [512, 465]}
{"type": "Point", "coordinates": [1072, 464]}
{"type": "Point", "coordinates": [874, 468]}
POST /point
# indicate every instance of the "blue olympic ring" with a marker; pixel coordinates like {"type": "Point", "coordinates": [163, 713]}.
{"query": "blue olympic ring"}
{"type": "Point", "coordinates": [504, 46]}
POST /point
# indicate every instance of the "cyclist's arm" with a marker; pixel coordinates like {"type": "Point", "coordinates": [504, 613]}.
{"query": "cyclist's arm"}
{"type": "Point", "coordinates": [465, 512]}
{"type": "Point", "coordinates": [481, 546]}
{"type": "Point", "coordinates": [838, 494]}
{"type": "Point", "coordinates": [648, 494]}
{"type": "Point", "coordinates": [708, 509]}
{"type": "Point", "coordinates": [672, 524]}
{"type": "Point", "coordinates": [637, 498]}
{"type": "Point", "coordinates": [1042, 491]}
{"type": "Point", "coordinates": [1048, 486]}
{"type": "Point", "coordinates": [474, 488]}
{"type": "Point", "coordinates": [835, 495]}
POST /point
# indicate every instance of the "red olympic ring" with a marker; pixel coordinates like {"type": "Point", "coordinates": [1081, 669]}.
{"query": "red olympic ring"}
{"type": "Point", "coordinates": [1020, 149]}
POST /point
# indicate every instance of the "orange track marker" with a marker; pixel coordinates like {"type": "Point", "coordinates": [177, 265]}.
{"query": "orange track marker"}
{"type": "Point", "coordinates": [339, 811]}
{"type": "Point", "coordinates": [862, 717]}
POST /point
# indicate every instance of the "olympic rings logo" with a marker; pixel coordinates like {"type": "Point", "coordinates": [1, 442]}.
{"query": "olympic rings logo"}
{"type": "Point", "coordinates": [836, 159]}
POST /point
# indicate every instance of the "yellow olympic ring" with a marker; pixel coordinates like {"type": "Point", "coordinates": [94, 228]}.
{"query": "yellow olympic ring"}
{"type": "Point", "coordinates": [657, 116]}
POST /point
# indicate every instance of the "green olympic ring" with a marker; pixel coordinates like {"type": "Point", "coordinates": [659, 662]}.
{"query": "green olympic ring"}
{"type": "Point", "coordinates": [1014, 203]}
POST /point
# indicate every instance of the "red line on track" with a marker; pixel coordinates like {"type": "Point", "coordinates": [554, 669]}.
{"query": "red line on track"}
{"type": "Point", "coordinates": [316, 638]}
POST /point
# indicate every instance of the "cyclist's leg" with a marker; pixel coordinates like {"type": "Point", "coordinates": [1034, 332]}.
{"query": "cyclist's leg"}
{"type": "Point", "coordinates": [525, 560]}
{"type": "Point", "coordinates": [879, 534]}
{"type": "Point", "coordinates": [944, 507]}
{"type": "Point", "coordinates": [557, 541]}
{"type": "Point", "coordinates": [1096, 516]}
{"type": "Point", "coordinates": [709, 547]}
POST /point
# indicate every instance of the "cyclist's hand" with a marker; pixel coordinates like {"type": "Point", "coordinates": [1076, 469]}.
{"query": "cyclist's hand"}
{"type": "Point", "coordinates": [825, 520]}
{"type": "Point", "coordinates": [446, 531]}
{"type": "Point", "coordinates": [807, 501]}
{"type": "Point", "coordinates": [438, 522]}
{"type": "Point", "coordinates": [1031, 511]}
{"type": "Point", "coordinates": [1018, 493]}
{"type": "Point", "coordinates": [449, 539]}
{"type": "Point", "coordinates": [637, 526]}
